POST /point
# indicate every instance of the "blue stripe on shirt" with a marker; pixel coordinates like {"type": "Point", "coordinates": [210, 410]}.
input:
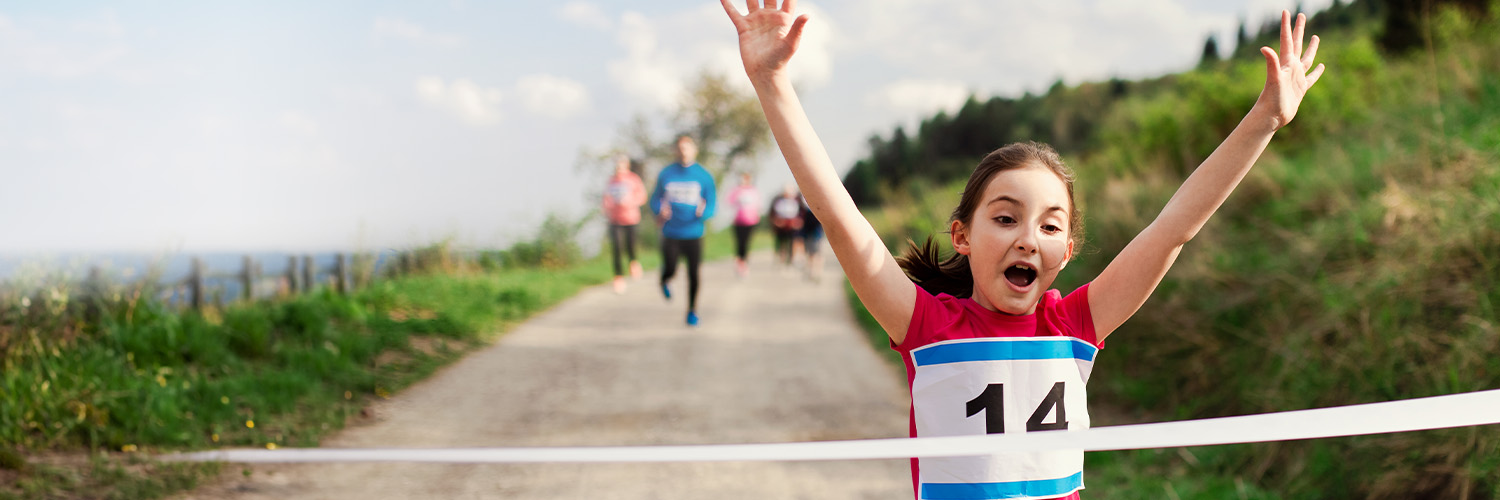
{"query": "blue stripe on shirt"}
{"type": "Point", "coordinates": [1004, 350]}
{"type": "Point", "coordinates": [1046, 488]}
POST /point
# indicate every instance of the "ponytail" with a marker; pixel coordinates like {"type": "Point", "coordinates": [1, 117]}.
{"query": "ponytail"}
{"type": "Point", "coordinates": [926, 267]}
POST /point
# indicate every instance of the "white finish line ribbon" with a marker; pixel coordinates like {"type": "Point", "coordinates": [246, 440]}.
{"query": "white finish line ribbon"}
{"type": "Point", "coordinates": [1456, 410]}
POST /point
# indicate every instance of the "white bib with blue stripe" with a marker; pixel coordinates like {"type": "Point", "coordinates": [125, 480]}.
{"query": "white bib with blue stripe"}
{"type": "Point", "coordinates": [1001, 385]}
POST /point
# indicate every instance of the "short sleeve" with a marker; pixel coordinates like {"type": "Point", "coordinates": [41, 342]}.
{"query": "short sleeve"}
{"type": "Point", "coordinates": [1071, 315]}
{"type": "Point", "coordinates": [930, 316]}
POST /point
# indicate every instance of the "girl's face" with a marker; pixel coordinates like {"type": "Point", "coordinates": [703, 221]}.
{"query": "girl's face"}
{"type": "Point", "coordinates": [1017, 239]}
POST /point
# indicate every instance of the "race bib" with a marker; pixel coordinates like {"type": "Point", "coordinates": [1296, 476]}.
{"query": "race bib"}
{"type": "Point", "coordinates": [618, 190]}
{"type": "Point", "coordinates": [1001, 386]}
{"type": "Point", "coordinates": [786, 208]}
{"type": "Point", "coordinates": [684, 192]}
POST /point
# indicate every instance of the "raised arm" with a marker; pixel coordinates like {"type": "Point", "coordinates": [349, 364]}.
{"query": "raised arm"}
{"type": "Point", "coordinates": [768, 37]}
{"type": "Point", "coordinates": [1131, 277]}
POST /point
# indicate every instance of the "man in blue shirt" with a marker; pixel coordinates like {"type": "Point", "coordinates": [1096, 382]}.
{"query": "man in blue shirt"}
{"type": "Point", "coordinates": [683, 200]}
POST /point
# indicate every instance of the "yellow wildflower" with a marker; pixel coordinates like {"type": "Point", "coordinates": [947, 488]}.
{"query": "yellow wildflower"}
{"type": "Point", "coordinates": [129, 448]}
{"type": "Point", "coordinates": [214, 437]}
{"type": "Point", "coordinates": [250, 424]}
{"type": "Point", "coordinates": [270, 446]}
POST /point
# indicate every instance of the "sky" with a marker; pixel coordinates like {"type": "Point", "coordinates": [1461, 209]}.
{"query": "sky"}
{"type": "Point", "coordinates": [150, 126]}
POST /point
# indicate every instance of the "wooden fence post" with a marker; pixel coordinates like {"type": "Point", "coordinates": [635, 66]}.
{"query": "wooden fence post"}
{"type": "Point", "coordinates": [195, 284]}
{"type": "Point", "coordinates": [247, 279]}
{"type": "Point", "coordinates": [341, 273]}
{"type": "Point", "coordinates": [291, 275]}
{"type": "Point", "coordinates": [309, 273]}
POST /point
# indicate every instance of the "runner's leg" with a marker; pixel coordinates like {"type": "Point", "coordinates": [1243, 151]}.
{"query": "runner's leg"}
{"type": "Point", "coordinates": [669, 251]}
{"type": "Point", "coordinates": [693, 249]}
{"type": "Point", "coordinates": [629, 241]}
{"type": "Point", "coordinates": [614, 246]}
{"type": "Point", "coordinates": [742, 241]}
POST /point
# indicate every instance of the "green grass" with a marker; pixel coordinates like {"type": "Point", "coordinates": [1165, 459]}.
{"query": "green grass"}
{"type": "Point", "coordinates": [117, 377]}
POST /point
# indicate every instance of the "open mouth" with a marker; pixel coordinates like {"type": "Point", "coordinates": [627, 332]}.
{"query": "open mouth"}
{"type": "Point", "coordinates": [1020, 275]}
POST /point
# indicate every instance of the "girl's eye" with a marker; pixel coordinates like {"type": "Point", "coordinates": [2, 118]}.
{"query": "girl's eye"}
{"type": "Point", "coordinates": [1051, 228]}
{"type": "Point", "coordinates": [1005, 219]}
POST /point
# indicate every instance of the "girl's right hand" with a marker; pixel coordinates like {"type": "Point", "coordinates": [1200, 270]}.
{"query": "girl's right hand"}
{"type": "Point", "coordinates": [768, 36]}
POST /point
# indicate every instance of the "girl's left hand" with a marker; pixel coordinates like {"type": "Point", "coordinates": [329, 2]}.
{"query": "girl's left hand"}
{"type": "Point", "coordinates": [1287, 79]}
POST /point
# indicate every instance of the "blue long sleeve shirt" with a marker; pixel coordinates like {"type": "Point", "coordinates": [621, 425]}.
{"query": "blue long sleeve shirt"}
{"type": "Point", "coordinates": [685, 188]}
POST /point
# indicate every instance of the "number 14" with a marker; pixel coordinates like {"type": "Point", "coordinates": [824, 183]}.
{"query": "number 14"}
{"type": "Point", "coordinates": [992, 403]}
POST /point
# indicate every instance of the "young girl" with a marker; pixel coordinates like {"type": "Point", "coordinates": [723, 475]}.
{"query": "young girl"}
{"type": "Point", "coordinates": [997, 351]}
{"type": "Point", "coordinates": [745, 201]}
{"type": "Point", "coordinates": [623, 198]}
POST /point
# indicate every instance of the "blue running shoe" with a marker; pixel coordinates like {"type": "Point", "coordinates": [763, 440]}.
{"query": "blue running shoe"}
{"type": "Point", "coordinates": [666, 291]}
{"type": "Point", "coordinates": [692, 319]}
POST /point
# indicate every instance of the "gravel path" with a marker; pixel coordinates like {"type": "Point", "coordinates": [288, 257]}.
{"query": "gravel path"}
{"type": "Point", "coordinates": [777, 358]}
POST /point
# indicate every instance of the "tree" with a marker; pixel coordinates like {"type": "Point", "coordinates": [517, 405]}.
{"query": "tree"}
{"type": "Point", "coordinates": [1210, 51]}
{"type": "Point", "coordinates": [726, 123]}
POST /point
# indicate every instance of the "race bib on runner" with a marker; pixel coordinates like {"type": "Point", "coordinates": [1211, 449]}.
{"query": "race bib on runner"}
{"type": "Point", "coordinates": [684, 192]}
{"type": "Point", "coordinates": [1001, 386]}
{"type": "Point", "coordinates": [786, 208]}
{"type": "Point", "coordinates": [618, 190]}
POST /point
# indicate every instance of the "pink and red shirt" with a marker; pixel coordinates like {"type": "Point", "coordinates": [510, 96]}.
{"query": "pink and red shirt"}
{"type": "Point", "coordinates": [623, 198]}
{"type": "Point", "coordinates": [745, 201]}
{"type": "Point", "coordinates": [946, 318]}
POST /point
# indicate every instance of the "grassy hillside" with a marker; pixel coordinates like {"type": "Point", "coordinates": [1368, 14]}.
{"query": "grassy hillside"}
{"type": "Point", "coordinates": [1357, 263]}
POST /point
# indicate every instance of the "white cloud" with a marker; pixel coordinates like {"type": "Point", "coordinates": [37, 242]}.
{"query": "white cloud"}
{"type": "Point", "coordinates": [663, 52]}
{"type": "Point", "coordinates": [1011, 45]}
{"type": "Point", "coordinates": [586, 14]}
{"type": "Point", "coordinates": [552, 96]}
{"type": "Point", "coordinates": [96, 48]}
{"type": "Point", "coordinates": [908, 97]}
{"type": "Point", "coordinates": [474, 104]}
{"type": "Point", "coordinates": [645, 74]}
{"type": "Point", "coordinates": [401, 29]}
{"type": "Point", "coordinates": [812, 66]}
{"type": "Point", "coordinates": [297, 121]}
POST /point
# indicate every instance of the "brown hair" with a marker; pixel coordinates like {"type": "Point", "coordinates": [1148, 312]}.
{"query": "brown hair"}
{"type": "Point", "coordinates": [924, 263]}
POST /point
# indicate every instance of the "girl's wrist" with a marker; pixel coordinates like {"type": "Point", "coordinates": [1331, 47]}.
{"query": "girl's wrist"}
{"type": "Point", "coordinates": [1262, 119]}
{"type": "Point", "coordinates": [769, 81]}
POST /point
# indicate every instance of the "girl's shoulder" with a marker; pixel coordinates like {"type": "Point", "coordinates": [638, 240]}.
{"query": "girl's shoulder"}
{"type": "Point", "coordinates": [936, 318]}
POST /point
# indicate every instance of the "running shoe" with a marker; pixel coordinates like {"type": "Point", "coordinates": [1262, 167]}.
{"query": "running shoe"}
{"type": "Point", "coordinates": [619, 284]}
{"type": "Point", "coordinates": [692, 319]}
{"type": "Point", "coordinates": [666, 291]}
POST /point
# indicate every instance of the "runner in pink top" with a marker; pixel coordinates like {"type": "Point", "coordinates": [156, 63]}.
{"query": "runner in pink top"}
{"type": "Point", "coordinates": [623, 198]}
{"type": "Point", "coordinates": [989, 347]}
{"type": "Point", "coordinates": [745, 201]}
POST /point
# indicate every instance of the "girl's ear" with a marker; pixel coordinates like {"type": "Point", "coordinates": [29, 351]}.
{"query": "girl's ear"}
{"type": "Point", "coordinates": [960, 237]}
{"type": "Point", "coordinates": [1067, 256]}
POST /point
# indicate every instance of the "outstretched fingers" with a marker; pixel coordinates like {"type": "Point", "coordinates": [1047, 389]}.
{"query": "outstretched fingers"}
{"type": "Point", "coordinates": [1315, 75]}
{"type": "Point", "coordinates": [1273, 64]}
{"type": "Point", "coordinates": [1298, 32]}
{"type": "Point", "coordinates": [789, 6]}
{"type": "Point", "coordinates": [734, 15]}
{"type": "Point", "coordinates": [794, 35]}
{"type": "Point", "coordinates": [1312, 52]}
{"type": "Point", "coordinates": [1286, 35]}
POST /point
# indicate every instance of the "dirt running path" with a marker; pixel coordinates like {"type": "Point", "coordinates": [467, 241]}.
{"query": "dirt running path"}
{"type": "Point", "coordinates": [777, 358]}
